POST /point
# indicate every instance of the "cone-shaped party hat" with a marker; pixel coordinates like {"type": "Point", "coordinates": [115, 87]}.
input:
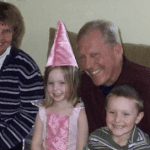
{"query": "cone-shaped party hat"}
{"type": "Point", "coordinates": [61, 53]}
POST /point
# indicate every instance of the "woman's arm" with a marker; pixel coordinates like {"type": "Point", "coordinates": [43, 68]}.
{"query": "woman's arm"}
{"type": "Point", "coordinates": [83, 132]}
{"type": "Point", "coordinates": [37, 135]}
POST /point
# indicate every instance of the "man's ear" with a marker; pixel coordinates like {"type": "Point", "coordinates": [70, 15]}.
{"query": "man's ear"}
{"type": "Point", "coordinates": [139, 117]}
{"type": "Point", "coordinates": [118, 50]}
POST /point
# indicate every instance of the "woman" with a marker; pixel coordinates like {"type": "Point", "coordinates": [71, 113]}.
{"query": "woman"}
{"type": "Point", "coordinates": [20, 81]}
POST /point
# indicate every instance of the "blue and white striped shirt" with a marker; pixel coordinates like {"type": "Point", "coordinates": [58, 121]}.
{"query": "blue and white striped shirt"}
{"type": "Point", "coordinates": [20, 83]}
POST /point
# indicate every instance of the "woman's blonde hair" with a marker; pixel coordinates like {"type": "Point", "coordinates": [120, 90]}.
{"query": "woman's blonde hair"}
{"type": "Point", "coordinates": [71, 76]}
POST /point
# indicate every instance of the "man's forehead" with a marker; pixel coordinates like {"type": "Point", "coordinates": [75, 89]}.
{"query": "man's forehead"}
{"type": "Point", "coordinates": [92, 37]}
{"type": "Point", "coordinates": [95, 45]}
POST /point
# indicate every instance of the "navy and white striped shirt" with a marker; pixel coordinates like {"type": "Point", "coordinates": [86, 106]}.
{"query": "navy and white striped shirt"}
{"type": "Point", "coordinates": [20, 83]}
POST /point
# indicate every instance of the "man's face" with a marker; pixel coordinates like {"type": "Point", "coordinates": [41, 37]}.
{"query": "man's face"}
{"type": "Point", "coordinates": [5, 40]}
{"type": "Point", "coordinates": [97, 58]}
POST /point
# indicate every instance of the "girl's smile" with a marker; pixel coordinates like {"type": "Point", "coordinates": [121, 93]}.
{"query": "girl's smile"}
{"type": "Point", "coordinates": [57, 86]}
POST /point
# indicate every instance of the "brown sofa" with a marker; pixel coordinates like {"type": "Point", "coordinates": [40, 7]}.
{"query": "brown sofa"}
{"type": "Point", "coordinates": [135, 52]}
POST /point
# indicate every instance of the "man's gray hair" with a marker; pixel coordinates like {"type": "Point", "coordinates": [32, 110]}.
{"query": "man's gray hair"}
{"type": "Point", "coordinates": [109, 30]}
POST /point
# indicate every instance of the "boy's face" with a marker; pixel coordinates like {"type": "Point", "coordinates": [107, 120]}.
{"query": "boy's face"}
{"type": "Point", "coordinates": [121, 116]}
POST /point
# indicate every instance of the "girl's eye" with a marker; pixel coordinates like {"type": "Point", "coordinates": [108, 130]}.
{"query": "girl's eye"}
{"type": "Point", "coordinates": [111, 112]}
{"type": "Point", "coordinates": [50, 83]}
{"type": "Point", "coordinates": [62, 82]}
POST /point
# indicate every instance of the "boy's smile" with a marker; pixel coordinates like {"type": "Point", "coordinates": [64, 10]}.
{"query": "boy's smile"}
{"type": "Point", "coordinates": [121, 116]}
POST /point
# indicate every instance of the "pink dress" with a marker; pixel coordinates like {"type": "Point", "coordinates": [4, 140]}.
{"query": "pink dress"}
{"type": "Point", "coordinates": [59, 131]}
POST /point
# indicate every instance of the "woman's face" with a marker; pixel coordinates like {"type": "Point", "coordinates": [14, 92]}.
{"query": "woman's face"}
{"type": "Point", "coordinates": [6, 34]}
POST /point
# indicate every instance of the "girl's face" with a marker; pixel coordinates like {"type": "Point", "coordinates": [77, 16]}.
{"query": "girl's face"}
{"type": "Point", "coordinates": [57, 86]}
{"type": "Point", "coordinates": [121, 116]}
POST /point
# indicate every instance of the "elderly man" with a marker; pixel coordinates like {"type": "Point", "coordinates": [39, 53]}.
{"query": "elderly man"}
{"type": "Point", "coordinates": [105, 66]}
{"type": "Point", "coordinates": [20, 81]}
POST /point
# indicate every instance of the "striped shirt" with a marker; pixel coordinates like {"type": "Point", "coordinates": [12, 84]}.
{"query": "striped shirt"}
{"type": "Point", "coordinates": [20, 83]}
{"type": "Point", "coordinates": [101, 139]}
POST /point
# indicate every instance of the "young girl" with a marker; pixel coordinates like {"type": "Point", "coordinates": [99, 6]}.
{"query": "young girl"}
{"type": "Point", "coordinates": [61, 123]}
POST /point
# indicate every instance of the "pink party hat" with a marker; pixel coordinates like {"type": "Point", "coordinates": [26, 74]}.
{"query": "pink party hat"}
{"type": "Point", "coordinates": [61, 53]}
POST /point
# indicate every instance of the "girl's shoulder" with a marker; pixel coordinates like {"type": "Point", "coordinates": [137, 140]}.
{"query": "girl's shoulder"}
{"type": "Point", "coordinates": [42, 109]}
{"type": "Point", "coordinates": [37, 103]}
{"type": "Point", "coordinates": [80, 104]}
{"type": "Point", "coordinates": [76, 111]}
{"type": "Point", "coordinates": [42, 112]}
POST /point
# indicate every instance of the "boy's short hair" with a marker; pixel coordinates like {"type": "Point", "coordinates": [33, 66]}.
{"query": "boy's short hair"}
{"type": "Point", "coordinates": [127, 92]}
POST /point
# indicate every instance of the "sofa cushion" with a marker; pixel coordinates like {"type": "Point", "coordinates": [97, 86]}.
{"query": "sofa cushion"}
{"type": "Point", "coordinates": [138, 53]}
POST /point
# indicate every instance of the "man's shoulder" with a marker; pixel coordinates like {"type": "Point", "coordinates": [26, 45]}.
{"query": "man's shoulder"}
{"type": "Point", "coordinates": [135, 67]}
{"type": "Point", "coordinates": [136, 72]}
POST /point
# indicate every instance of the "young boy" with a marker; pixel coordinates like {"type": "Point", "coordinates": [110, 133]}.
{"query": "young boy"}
{"type": "Point", "coordinates": [124, 109]}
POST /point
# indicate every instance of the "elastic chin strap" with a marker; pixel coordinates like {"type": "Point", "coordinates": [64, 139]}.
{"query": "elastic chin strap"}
{"type": "Point", "coordinates": [73, 73]}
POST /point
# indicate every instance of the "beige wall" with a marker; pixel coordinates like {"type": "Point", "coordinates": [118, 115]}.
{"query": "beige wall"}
{"type": "Point", "coordinates": [132, 16]}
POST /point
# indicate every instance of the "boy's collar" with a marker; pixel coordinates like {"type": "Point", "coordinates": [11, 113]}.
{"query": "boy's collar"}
{"type": "Point", "coordinates": [137, 138]}
{"type": "Point", "coordinates": [134, 135]}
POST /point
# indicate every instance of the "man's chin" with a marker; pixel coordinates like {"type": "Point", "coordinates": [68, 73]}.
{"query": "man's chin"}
{"type": "Point", "coordinates": [95, 79]}
{"type": "Point", "coordinates": [96, 82]}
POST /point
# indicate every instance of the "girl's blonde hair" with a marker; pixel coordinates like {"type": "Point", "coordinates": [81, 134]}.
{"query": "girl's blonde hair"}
{"type": "Point", "coordinates": [71, 76]}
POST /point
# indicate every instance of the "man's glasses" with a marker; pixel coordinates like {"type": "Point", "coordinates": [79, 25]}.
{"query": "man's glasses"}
{"type": "Point", "coordinates": [7, 32]}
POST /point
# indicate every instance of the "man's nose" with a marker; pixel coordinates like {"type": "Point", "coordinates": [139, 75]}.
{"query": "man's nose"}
{"type": "Point", "coordinates": [88, 63]}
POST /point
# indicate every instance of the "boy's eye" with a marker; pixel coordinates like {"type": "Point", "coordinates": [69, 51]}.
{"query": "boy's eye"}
{"type": "Point", "coordinates": [62, 82]}
{"type": "Point", "coordinates": [126, 114]}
